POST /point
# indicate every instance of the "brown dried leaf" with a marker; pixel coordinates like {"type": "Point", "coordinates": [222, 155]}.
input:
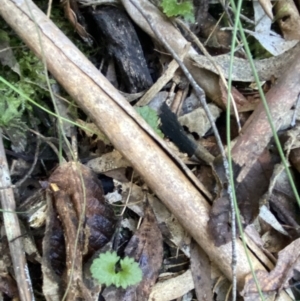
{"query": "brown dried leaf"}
{"type": "Point", "coordinates": [201, 271]}
{"type": "Point", "coordinates": [242, 104]}
{"type": "Point", "coordinates": [73, 278]}
{"type": "Point", "coordinates": [77, 191]}
{"type": "Point", "coordinates": [100, 221]}
{"type": "Point", "coordinates": [287, 266]}
{"type": "Point", "coordinates": [72, 12]}
{"type": "Point", "coordinates": [251, 187]}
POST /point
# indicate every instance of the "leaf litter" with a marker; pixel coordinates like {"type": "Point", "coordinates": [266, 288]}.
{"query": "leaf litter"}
{"type": "Point", "coordinates": [80, 221]}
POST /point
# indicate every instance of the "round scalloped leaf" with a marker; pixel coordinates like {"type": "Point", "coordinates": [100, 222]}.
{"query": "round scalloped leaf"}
{"type": "Point", "coordinates": [103, 268]}
{"type": "Point", "coordinates": [130, 273]}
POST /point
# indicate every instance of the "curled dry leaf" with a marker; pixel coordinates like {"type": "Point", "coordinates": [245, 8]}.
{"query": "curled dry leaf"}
{"type": "Point", "coordinates": [86, 193]}
{"type": "Point", "coordinates": [73, 14]}
{"type": "Point", "coordinates": [85, 224]}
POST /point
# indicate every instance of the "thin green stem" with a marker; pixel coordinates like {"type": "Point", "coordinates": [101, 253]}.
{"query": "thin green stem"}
{"type": "Point", "coordinates": [267, 110]}
{"type": "Point", "coordinates": [228, 137]}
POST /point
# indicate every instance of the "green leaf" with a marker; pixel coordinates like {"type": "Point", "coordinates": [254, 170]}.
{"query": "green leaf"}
{"type": "Point", "coordinates": [103, 269]}
{"type": "Point", "coordinates": [150, 116]}
{"type": "Point", "coordinates": [185, 9]}
{"type": "Point", "coordinates": [130, 273]}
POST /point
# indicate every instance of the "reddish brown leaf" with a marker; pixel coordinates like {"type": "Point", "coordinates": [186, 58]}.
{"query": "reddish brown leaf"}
{"type": "Point", "coordinates": [287, 266]}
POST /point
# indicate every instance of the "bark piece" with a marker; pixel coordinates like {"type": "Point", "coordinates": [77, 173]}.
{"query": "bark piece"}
{"type": "Point", "coordinates": [112, 28]}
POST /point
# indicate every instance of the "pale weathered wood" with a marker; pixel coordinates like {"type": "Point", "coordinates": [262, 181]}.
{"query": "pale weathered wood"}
{"type": "Point", "coordinates": [12, 229]}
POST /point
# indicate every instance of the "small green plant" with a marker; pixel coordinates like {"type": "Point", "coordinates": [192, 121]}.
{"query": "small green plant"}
{"type": "Point", "coordinates": [150, 116]}
{"type": "Point", "coordinates": [185, 9]}
{"type": "Point", "coordinates": [109, 269]}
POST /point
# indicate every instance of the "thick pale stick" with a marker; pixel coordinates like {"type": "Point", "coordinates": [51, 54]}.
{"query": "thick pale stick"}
{"type": "Point", "coordinates": [12, 229]}
{"type": "Point", "coordinates": [117, 119]}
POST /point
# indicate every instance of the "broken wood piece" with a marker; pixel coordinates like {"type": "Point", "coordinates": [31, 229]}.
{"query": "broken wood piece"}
{"type": "Point", "coordinates": [111, 27]}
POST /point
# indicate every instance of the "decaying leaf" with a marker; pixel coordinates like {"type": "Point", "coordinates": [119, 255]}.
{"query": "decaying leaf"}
{"type": "Point", "coordinates": [8, 286]}
{"type": "Point", "coordinates": [287, 266]}
{"type": "Point", "coordinates": [146, 248]}
{"type": "Point", "coordinates": [242, 71]}
{"type": "Point", "coordinates": [86, 220]}
{"type": "Point", "coordinates": [197, 121]}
